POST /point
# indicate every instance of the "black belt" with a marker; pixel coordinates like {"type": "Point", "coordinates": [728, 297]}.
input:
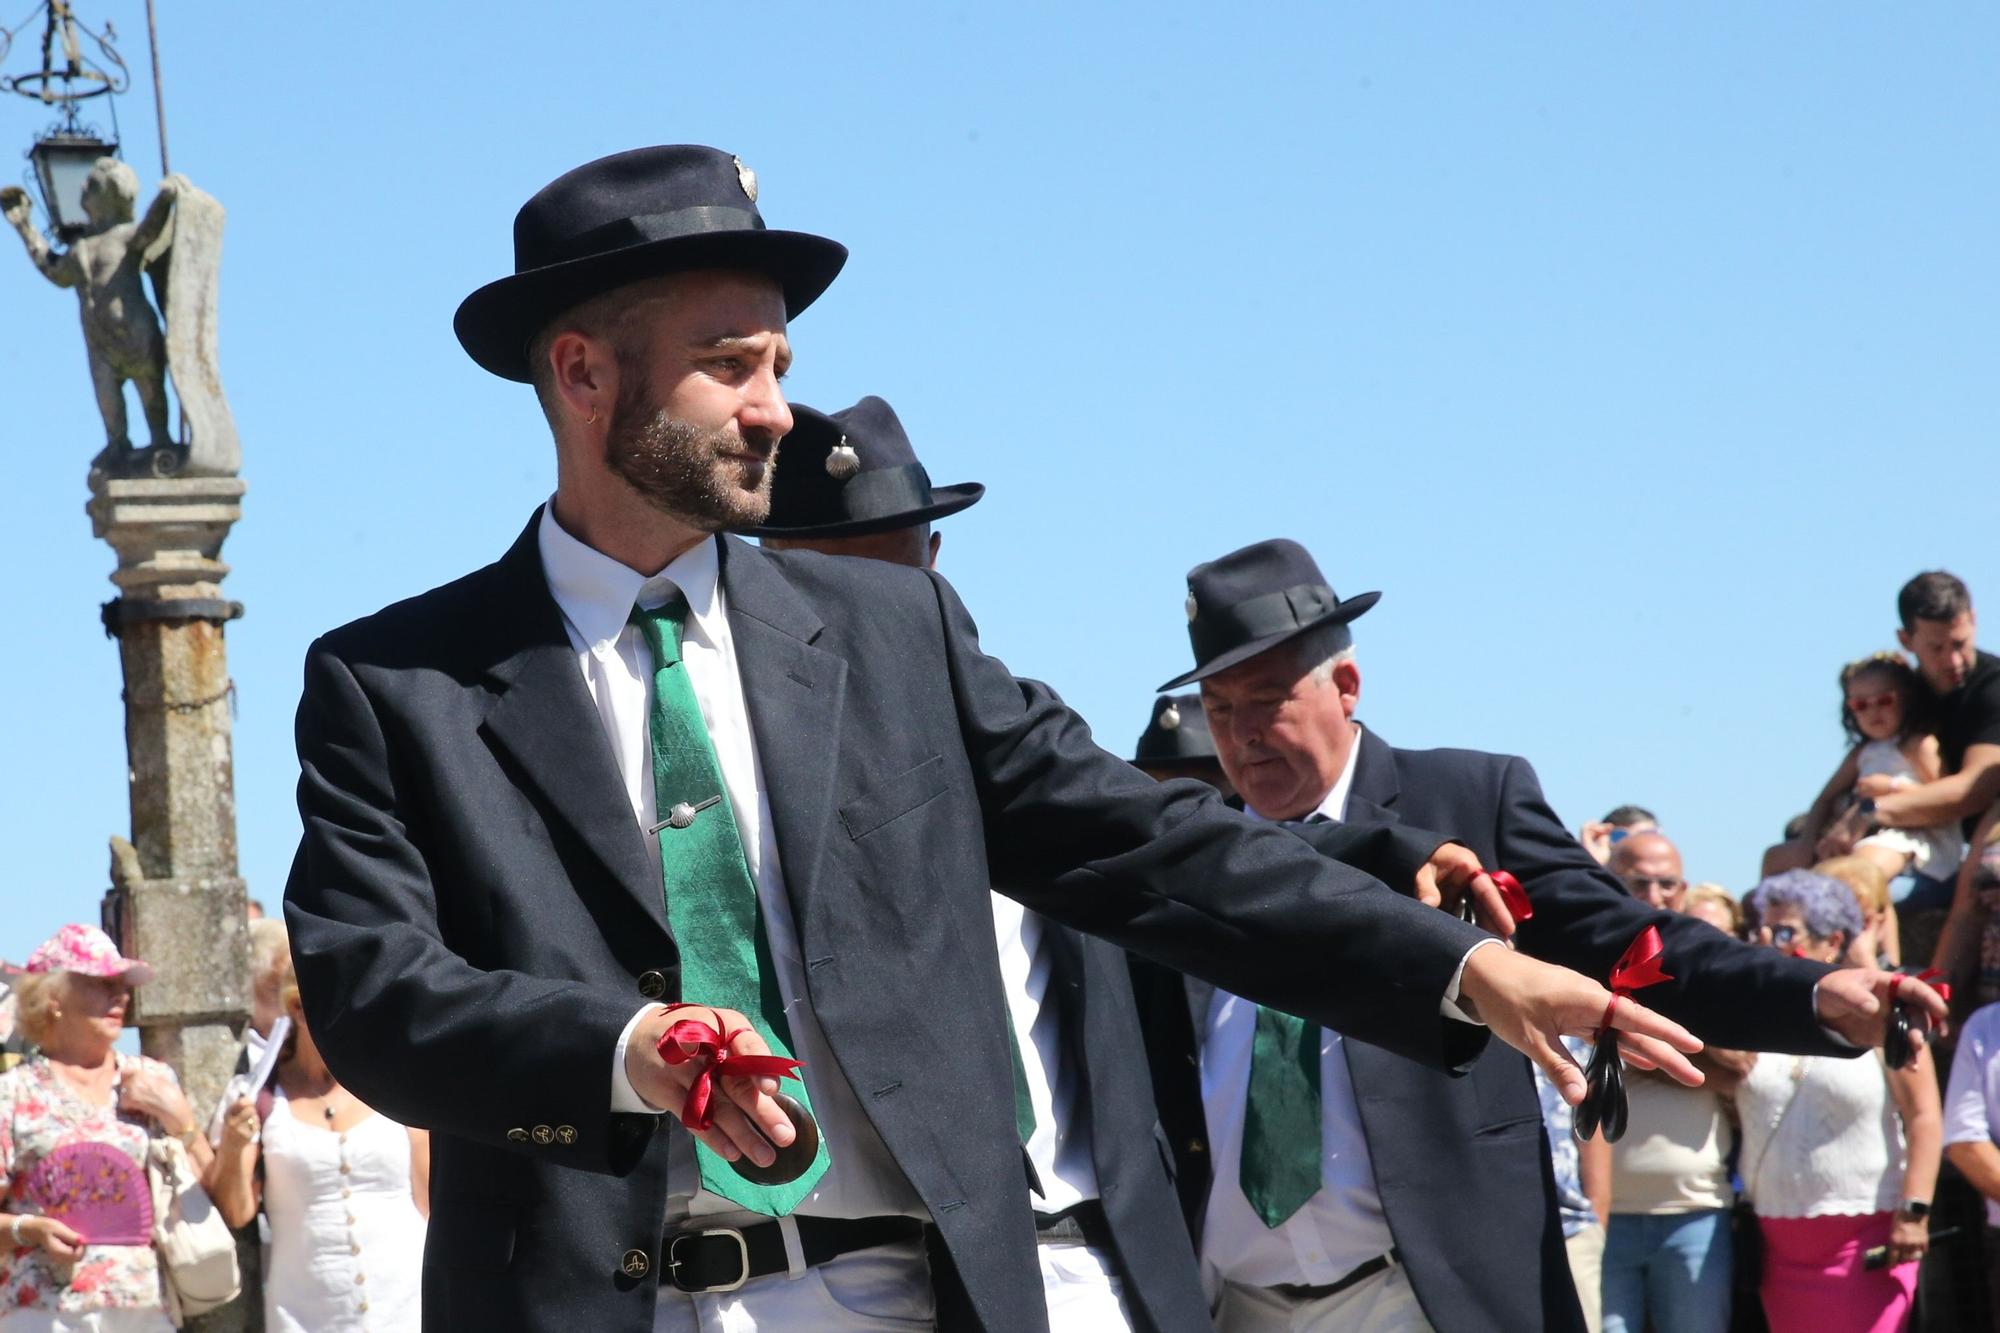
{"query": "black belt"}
{"type": "Point", "coordinates": [1300, 1292]}
{"type": "Point", "coordinates": [1079, 1224]}
{"type": "Point", "coordinates": [724, 1258]}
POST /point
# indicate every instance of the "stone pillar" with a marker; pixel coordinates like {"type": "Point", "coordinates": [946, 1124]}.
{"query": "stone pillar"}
{"type": "Point", "coordinates": [176, 900]}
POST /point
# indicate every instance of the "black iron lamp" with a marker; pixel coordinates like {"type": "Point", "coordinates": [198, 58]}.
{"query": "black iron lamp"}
{"type": "Point", "coordinates": [63, 155]}
{"type": "Point", "coordinates": [62, 160]}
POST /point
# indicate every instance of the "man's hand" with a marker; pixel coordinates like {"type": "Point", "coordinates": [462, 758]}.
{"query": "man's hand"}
{"type": "Point", "coordinates": [1453, 873]}
{"type": "Point", "coordinates": [1854, 1002]}
{"type": "Point", "coordinates": [1876, 785]}
{"type": "Point", "coordinates": [748, 1119]}
{"type": "Point", "coordinates": [1596, 839]}
{"type": "Point", "coordinates": [1530, 1005]}
{"type": "Point", "coordinates": [14, 206]}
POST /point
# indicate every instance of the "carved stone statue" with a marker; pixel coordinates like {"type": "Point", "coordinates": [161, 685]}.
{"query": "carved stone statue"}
{"type": "Point", "coordinates": [178, 244]}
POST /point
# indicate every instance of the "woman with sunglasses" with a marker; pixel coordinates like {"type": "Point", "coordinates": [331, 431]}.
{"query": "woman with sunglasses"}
{"type": "Point", "coordinates": [1839, 1155]}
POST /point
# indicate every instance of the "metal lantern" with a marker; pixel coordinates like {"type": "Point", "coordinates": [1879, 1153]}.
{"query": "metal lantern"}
{"type": "Point", "coordinates": [64, 154]}
{"type": "Point", "coordinates": [63, 159]}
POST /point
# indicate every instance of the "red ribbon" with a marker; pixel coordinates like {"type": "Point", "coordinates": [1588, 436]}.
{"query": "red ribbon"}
{"type": "Point", "coordinates": [1931, 977]}
{"type": "Point", "coordinates": [1513, 895]}
{"type": "Point", "coordinates": [1637, 968]}
{"type": "Point", "coordinates": [691, 1039]}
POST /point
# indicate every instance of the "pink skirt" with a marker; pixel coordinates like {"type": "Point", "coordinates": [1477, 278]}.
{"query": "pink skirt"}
{"type": "Point", "coordinates": [1814, 1281]}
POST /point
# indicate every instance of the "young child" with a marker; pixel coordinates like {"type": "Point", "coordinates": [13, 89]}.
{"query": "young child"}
{"type": "Point", "coordinates": [1882, 707]}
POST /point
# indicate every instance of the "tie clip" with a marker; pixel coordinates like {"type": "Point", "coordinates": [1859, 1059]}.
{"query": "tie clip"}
{"type": "Point", "coordinates": [682, 814]}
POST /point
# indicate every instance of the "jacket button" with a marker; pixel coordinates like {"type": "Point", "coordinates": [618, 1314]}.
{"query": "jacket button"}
{"type": "Point", "coordinates": [565, 1135]}
{"type": "Point", "coordinates": [517, 1135]}
{"type": "Point", "coordinates": [543, 1135]}
{"type": "Point", "coordinates": [652, 985]}
{"type": "Point", "coordinates": [635, 1263]}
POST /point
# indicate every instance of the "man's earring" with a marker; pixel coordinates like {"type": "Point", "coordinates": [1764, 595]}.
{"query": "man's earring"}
{"type": "Point", "coordinates": [592, 421]}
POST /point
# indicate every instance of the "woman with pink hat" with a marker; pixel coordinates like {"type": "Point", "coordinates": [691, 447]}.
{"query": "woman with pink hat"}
{"type": "Point", "coordinates": [75, 1249]}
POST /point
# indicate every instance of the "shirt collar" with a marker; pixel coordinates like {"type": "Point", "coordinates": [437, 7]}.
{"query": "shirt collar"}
{"type": "Point", "coordinates": [596, 593]}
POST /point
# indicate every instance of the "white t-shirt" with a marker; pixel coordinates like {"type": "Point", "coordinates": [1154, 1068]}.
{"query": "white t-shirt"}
{"type": "Point", "coordinates": [1972, 1101]}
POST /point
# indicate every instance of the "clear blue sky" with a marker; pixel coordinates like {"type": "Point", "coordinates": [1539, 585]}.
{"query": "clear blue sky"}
{"type": "Point", "coordinates": [1638, 353]}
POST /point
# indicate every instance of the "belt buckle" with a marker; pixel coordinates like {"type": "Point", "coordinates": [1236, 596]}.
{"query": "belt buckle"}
{"type": "Point", "coordinates": [742, 1250]}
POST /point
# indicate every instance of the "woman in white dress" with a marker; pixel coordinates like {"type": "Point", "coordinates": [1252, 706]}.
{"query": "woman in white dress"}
{"type": "Point", "coordinates": [346, 1190]}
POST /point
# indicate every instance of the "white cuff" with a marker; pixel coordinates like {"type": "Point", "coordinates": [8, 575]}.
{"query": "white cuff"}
{"type": "Point", "coordinates": [625, 1097]}
{"type": "Point", "coordinates": [1449, 1005]}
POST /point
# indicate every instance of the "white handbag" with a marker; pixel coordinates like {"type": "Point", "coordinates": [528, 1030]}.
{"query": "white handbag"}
{"type": "Point", "coordinates": [195, 1247]}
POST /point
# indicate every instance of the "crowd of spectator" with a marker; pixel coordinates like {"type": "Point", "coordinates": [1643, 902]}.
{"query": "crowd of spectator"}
{"type": "Point", "coordinates": [331, 1196]}
{"type": "Point", "coordinates": [1818, 1193]}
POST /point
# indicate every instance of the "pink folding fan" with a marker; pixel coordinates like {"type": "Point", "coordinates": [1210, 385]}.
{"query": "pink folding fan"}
{"type": "Point", "coordinates": [97, 1190]}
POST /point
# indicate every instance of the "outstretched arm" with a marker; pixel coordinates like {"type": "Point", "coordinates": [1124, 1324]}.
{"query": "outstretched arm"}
{"type": "Point", "coordinates": [61, 269]}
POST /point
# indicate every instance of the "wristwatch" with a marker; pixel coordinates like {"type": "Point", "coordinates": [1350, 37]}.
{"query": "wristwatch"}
{"type": "Point", "coordinates": [1915, 1209]}
{"type": "Point", "coordinates": [1866, 805]}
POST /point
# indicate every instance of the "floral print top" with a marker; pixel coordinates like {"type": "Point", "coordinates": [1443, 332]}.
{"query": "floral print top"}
{"type": "Point", "coordinates": [38, 1114]}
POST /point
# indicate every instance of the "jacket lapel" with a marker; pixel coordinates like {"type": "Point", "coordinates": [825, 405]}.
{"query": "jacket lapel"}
{"type": "Point", "coordinates": [794, 694]}
{"type": "Point", "coordinates": [543, 720]}
{"type": "Point", "coordinates": [1373, 796]}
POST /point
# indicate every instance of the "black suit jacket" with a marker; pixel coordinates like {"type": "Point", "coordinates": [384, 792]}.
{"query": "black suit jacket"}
{"type": "Point", "coordinates": [1462, 1165]}
{"type": "Point", "coordinates": [472, 911]}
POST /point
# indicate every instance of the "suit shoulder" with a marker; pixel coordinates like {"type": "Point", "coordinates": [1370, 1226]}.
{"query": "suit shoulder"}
{"type": "Point", "coordinates": [415, 628]}
{"type": "Point", "coordinates": [1461, 761]}
{"type": "Point", "coordinates": [845, 580]}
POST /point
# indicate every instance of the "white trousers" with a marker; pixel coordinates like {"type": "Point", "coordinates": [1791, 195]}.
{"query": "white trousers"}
{"type": "Point", "coordinates": [1586, 1265]}
{"type": "Point", "coordinates": [1084, 1295]}
{"type": "Point", "coordinates": [1384, 1303]}
{"type": "Point", "coordinates": [883, 1290]}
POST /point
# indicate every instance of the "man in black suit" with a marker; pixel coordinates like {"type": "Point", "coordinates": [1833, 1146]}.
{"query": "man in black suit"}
{"type": "Point", "coordinates": [590, 827]}
{"type": "Point", "coordinates": [1346, 1186]}
{"type": "Point", "coordinates": [1114, 1253]}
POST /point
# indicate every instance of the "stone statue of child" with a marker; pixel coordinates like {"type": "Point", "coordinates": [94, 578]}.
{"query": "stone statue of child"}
{"type": "Point", "coordinates": [105, 266]}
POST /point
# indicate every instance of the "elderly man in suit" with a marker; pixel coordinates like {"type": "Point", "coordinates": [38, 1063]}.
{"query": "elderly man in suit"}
{"type": "Point", "coordinates": [1338, 1185]}
{"type": "Point", "coordinates": [591, 827]}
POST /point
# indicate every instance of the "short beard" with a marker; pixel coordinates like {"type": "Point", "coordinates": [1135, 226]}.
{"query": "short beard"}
{"type": "Point", "coordinates": [679, 469]}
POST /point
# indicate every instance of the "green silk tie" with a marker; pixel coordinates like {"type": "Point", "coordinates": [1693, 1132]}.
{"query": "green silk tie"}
{"type": "Point", "coordinates": [1281, 1117]}
{"type": "Point", "coordinates": [711, 897]}
{"type": "Point", "coordinates": [1024, 1105]}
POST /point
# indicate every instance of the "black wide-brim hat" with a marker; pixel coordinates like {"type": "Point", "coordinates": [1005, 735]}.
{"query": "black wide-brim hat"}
{"type": "Point", "coordinates": [1252, 600]}
{"type": "Point", "coordinates": [854, 473]}
{"type": "Point", "coordinates": [1178, 733]}
{"type": "Point", "coordinates": [634, 215]}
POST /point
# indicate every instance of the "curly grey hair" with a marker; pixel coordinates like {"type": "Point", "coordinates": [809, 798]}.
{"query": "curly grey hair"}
{"type": "Point", "coordinates": [1828, 906]}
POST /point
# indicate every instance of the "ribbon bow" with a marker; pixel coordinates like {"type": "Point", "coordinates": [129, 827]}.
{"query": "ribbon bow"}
{"type": "Point", "coordinates": [1514, 895]}
{"type": "Point", "coordinates": [691, 1039]}
{"type": "Point", "coordinates": [1604, 1102]}
{"type": "Point", "coordinates": [1897, 1049]}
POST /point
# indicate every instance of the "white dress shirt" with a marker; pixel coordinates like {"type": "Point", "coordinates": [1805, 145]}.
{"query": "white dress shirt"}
{"type": "Point", "coordinates": [1337, 1229]}
{"type": "Point", "coordinates": [1060, 1148]}
{"type": "Point", "coordinates": [596, 595]}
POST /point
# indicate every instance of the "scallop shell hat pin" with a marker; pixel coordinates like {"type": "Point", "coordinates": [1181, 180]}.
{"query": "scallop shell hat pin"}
{"type": "Point", "coordinates": [1170, 717]}
{"type": "Point", "coordinates": [746, 178]}
{"type": "Point", "coordinates": [1193, 607]}
{"type": "Point", "coordinates": [841, 461]}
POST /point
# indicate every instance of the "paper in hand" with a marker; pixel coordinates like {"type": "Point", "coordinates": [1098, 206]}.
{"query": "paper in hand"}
{"type": "Point", "coordinates": [248, 1085]}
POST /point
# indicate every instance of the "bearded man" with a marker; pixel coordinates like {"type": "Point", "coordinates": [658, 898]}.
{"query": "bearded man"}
{"type": "Point", "coordinates": [590, 826]}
